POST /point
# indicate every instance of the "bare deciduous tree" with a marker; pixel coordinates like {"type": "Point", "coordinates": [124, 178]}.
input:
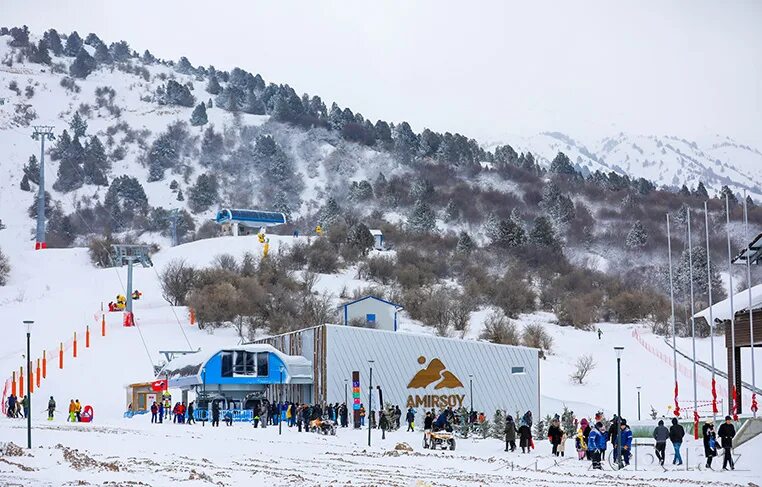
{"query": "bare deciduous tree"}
{"type": "Point", "coordinates": [585, 364]}
{"type": "Point", "coordinates": [177, 279]}
{"type": "Point", "coordinates": [499, 329]}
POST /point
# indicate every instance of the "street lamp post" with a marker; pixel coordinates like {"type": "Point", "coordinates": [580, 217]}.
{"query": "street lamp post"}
{"type": "Point", "coordinates": [618, 352]}
{"type": "Point", "coordinates": [346, 397]}
{"type": "Point", "coordinates": [638, 388]}
{"type": "Point", "coordinates": [471, 392]}
{"type": "Point", "coordinates": [28, 412]}
{"type": "Point", "coordinates": [280, 403]}
{"type": "Point", "coordinates": [370, 396]}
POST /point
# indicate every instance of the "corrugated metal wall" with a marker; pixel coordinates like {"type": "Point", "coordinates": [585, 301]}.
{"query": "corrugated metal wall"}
{"type": "Point", "coordinates": [335, 351]}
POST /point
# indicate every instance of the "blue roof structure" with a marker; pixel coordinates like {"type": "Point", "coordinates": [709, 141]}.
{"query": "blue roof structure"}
{"type": "Point", "coordinates": [253, 218]}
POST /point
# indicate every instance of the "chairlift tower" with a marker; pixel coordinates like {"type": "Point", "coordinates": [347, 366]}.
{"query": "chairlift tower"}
{"type": "Point", "coordinates": [41, 133]}
{"type": "Point", "coordinates": [129, 254]}
{"type": "Point", "coordinates": [174, 217]}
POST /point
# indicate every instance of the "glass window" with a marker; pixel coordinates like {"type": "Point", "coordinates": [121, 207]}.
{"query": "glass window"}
{"type": "Point", "coordinates": [227, 364]}
{"type": "Point", "coordinates": [517, 370]}
{"type": "Point", "coordinates": [262, 365]}
{"type": "Point", "coordinates": [370, 317]}
{"type": "Point", "coordinates": [240, 363]}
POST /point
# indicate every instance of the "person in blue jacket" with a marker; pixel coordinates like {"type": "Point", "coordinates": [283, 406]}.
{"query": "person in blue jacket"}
{"type": "Point", "coordinates": [626, 442]}
{"type": "Point", "coordinates": [596, 443]}
{"type": "Point", "coordinates": [441, 422]}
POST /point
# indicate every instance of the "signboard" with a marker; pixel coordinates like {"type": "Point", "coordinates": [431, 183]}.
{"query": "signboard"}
{"type": "Point", "coordinates": [356, 397]}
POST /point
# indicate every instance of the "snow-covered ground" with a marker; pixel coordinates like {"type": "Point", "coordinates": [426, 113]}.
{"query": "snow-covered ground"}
{"type": "Point", "coordinates": [135, 452]}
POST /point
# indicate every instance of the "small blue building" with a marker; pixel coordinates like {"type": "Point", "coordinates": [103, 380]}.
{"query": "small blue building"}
{"type": "Point", "coordinates": [240, 378]}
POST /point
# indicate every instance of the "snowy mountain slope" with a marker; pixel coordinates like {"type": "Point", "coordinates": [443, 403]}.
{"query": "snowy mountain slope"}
{"type": "Point", "coordinates": [667, 161]}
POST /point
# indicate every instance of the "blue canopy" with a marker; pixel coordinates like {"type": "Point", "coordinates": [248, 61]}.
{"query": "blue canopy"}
{"type": "Point", "coordinates": [250, 217]}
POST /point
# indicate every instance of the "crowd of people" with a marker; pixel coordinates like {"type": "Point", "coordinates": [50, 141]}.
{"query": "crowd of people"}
{"type": "Point", "coordinates": [179, 413]}
{"type": "Point", "coordinates": [17, 408]}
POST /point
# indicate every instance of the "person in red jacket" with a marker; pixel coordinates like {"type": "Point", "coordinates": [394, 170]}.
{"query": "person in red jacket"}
{"type": "Point", "coordinates": [154, 410]}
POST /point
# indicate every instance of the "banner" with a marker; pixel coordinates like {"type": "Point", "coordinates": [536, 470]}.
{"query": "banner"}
{"type": "Point", "coordinates": [677, 406]}
{"type": "Point", "coordinates": [714, 397]}
{"type": "Point", "coordinates": [356, 398]}
{"type": "Point", "coordinates": [159, 385]}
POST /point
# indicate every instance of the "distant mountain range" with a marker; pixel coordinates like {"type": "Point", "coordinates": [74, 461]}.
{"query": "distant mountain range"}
{"type": "Point", "coordinates": [665, 160]}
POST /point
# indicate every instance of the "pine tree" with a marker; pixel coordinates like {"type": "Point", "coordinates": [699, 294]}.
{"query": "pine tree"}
{"type": "Point", "coordinates": [567, 422]}
{"type": "Point", "coordinates": [750, 202]}
{"type": "Point", "coordinates": [542, 233]}
{"type": "Point", "coordinates": [637, 237]}
{"type": "Point", "coordinates": [562, 165]}
{"type": "Point", "coordinates": [24, 186]}
{"type": "Point", "coordinates": [253, 105]}
{"type": "Point", "coordinates": [213, 86]}
{"type": "Point", "coordinates": [96, 163]}
{"type": "Point", "coordinates": [701, 191]}
{"type": "Point", "coordinates": [53, 40]}
{"type": "Point", "coordinates": [465, 244]}
{"type": "Point", "coordinates": [330, 212]}
{"type": "Point", "coordinates": [510, 234]}
{"type": "Point", "coordinates": [498, 425]}
{"type": "Point", "coordinates": [125, 200]}
{"type": "Point", "coordinates": [83, 65]}
{"type": "Point", "coordinates": [70, 175]}
{"type": "Point", "coordinates": [422, 218]}
{"type": "Point", "coordinates": [78, 126]}
{"type": "Point", "coordinates": [40, 54]}
{"type": "Point", "coordinates": [184, 66]}
{"type": "Point", "coordinates": [177, 94]}
{"type": "Point", "coordinates": [464, 427]}
{"type": "Point", "coordinates": [360, 238]}
{"type": "Point", "coordinates": [492, 227]}
{"type": "Point", "coordinates": [57, 152]}
{"type": "Point", "coordinates": [103, 55]}
{"type": "Point", "coordinates": [32, 170]}
{"type": "Point", "coordinates": [148, 58]}
{"type": "Point", "coordinates": [120, 51]}
{"type": "Point", "coordinates": [540, 429]}
{"type": "Point", "coordinates": [231, 98]}
{"type": "Point", "coordinates": [684, 191]}
{"type": "Point", "coordinates": [73, 45]}
{"type": "Point", "coordinates": [203, 194]}
{"type": "Point", "coordinates": [180, 196]}
{"type": "Point", "coordinates": [198, 117]}
{"type": "Point", "coordinates": [727, 192]}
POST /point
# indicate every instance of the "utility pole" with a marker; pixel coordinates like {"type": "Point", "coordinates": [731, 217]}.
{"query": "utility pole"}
{"type": "Point", "coordinates": [41, 133]}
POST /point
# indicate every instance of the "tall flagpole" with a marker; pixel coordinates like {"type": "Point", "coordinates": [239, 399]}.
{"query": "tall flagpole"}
{"type": "Point", "coordinates": [693, 329]}
{"type": "Point", "coordinates": [731, 374]}
{"type": "Point", "coordinates": [672, 303]}
{"type": "Point", "coordinates": [711, 317]}
{"type": "Point", "coordinates": [751, 321]}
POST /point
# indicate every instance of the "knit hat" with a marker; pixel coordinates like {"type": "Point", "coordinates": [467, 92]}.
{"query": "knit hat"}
{"type": "Point", "coordinates": [728, 418]}
{"type": "Point", "coordinates": [710, 420]}
{"type": "Point", "coordinates": [599, 425]}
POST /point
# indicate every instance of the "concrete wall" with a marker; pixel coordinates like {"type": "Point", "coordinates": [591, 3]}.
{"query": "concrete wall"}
{"type": "Point", "coordinates": [385, 313]}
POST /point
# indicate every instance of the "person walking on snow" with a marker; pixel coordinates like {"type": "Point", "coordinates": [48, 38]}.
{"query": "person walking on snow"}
{"type": "Point", "coordinates": [190, 414]}
{"type": "Point", "coordinates": [726, 433]}
{"type": "Point", "coordinates": [596, 442]}
{"type": "Point", "coordinates": [676, 434]}
{"type": "Point", "coordinates": [554, 435]}
{"type": "Point", "coordinates": [78, 410]}
{"type": "Point", "coordinates": [525, 437]}
{"type": "Point", "coordinates": [580, 442]}
{"type": "Point", "coordinates": [215, 413]}
{"type": "Point", "coordinates": [25, 405]}
{"type": "Point", "coordinates": [661, 435]}
{"type": "Point", "coordinates": [710, 441]}
{"type": "Point", "coordinates": [72, 411]}
{"type": "Point", "coordinates": [410, 418]}
{"type": "Point", "coordinates": [362, 415]}
{"type": "Point", "coordinates": [626, 438]}
{"type": "Point", "coordinates": [510, 434]}
{"type": "Point", "coordinates": [51, 408]}
{"type": "Point", "coordinates": [154, 412]}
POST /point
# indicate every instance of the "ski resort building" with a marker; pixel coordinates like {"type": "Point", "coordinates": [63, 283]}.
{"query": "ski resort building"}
{"type": "Point", "coordinates": [239, 377]}
{"type": "Point", "coordinates": [245, 222]}
{"type": "Point", "coordinates": [371, 312]}
{"type": "Point", "coordinates": [411, 370]}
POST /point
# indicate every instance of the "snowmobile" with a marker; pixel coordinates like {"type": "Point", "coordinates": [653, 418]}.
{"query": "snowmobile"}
{"type": "Point", "coordinates": [324, 426]}
{"type": "Point", "coordinates": [439, 439]}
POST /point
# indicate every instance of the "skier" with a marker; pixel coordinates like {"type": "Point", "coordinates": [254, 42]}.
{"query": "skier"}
{"type": "Point", "coordinates": [726, 433]}
{"type": "Point", "coordinates": [215, 413]}
{"type": "Point", "coordinates": [599, 333]}
{"type": "Point", "coordinates": [51, 408]}
{"type": "Point", "coordinates": [510, 434]}
{"type": "Point", "coordinates": [525, 437]}
{"type": "Point", "coordinates": [710, 442]}
{"type": "Point", "coordinates": [661, 434]}
{"type": "Point", "coordinates": [554, 435]}
{"type": "Point", "coordinates": [597, 443]}
{"type": "Point", "coordinates": [676, 434]}
{"type": "Point", "coordinates": [410, 418]}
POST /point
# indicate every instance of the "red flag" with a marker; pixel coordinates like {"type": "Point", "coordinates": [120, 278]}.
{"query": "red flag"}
{"type": "Point", "coordinates": [754, 402]}
{"type": "Point", "coordinates": [734, 409]}
{"type": "Point", "coordinates": [159, 385]}
{"type": "Point", "coordinates": [677, 406]}
{"type": "Point", "coordinates": [695, 424]}
{"type": "Point", "coordinates": [714, 396]}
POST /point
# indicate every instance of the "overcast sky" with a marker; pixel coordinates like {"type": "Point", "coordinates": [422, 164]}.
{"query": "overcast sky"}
{"type": "Point", "coordinates": [487, 69]}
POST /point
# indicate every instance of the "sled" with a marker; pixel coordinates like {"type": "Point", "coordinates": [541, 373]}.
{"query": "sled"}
{"type": "Point", "coordinates": [324, 426]}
